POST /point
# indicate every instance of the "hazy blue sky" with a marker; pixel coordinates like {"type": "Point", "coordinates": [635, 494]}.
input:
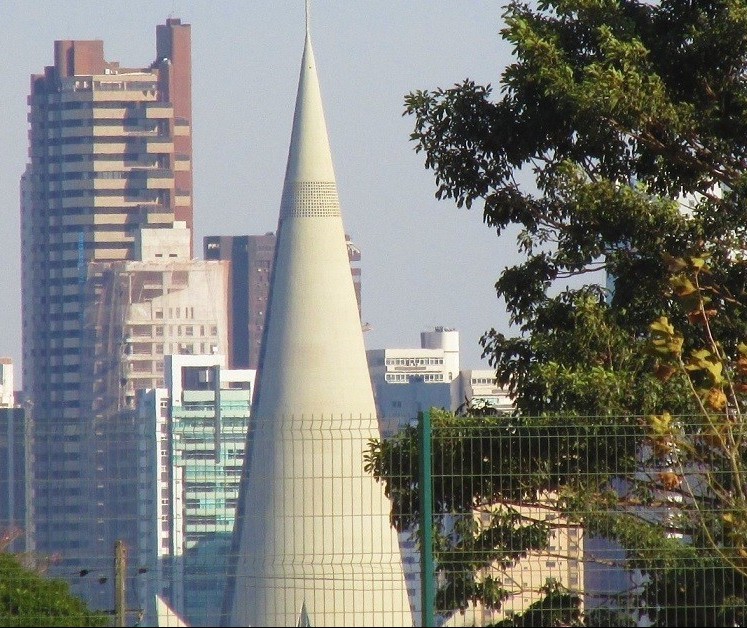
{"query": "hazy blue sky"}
{"type": "Point", "coordinates": [424, 263]}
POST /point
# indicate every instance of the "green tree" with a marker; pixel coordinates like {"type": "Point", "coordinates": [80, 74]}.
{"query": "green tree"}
{"type": "Point", "coordinates": [617, 146]}
{"type": "Point", "coordinates": [30, 599]}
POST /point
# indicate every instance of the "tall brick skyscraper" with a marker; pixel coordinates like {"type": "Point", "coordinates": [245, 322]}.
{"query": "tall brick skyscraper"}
{"type": "Point", "coordinates": [110, 154]}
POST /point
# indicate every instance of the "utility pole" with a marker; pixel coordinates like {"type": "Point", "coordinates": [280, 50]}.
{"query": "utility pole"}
{"type": "Point", "coordinates": [120, 569]}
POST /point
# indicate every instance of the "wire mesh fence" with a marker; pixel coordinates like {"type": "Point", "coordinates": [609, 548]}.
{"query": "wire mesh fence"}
{"type": "Point", "coordinates": [579, 520]}
{"type": "Point", "coordinates": [452, 520]}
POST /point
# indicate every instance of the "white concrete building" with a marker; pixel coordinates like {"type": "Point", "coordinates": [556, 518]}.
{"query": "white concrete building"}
{"type": "Point", "coordinates": [135, 313]}
{"type": "Point", "coordinates": [412, 380]}
{"type": "Point", "coordinates": [479, 386]}
{"type": "Point", "coordinates": [191, 449]}
{"type": "Point", "coordinates": [15, 460]}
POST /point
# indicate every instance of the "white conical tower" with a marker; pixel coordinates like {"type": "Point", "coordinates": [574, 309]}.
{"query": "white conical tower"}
{"type": "Point", "coordinates": [312, 541]}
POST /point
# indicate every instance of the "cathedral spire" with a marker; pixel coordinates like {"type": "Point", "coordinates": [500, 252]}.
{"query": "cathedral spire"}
{"type": "Point", "coordinates": [309, 155]}
{"type": "Point", "coordinates": [312, 527]}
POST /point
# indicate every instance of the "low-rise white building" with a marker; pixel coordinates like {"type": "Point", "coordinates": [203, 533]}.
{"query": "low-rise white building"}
{"type": "Point", "coordinates": [413, 380]}
{"type": "Point", "coordinates": [480, 386]}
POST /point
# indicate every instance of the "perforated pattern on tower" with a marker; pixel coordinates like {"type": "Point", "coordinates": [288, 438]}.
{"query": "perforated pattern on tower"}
{"type": "Point", "coordinates": [310, 199]}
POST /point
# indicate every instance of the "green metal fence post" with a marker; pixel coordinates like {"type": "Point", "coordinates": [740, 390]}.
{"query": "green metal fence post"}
{"type": "Point", "coordinates": [427, 574]}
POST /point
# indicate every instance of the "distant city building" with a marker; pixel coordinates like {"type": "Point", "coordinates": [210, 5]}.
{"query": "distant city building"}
{"type": "Point", "coordinates": [409, 381]}
{"type": "Point", "coordinates": [562, 561]}
{"type": "Point", "coordinates": [7, 383]}
{"type": "Point", "coordinates": [251, 260]}
{"type": "Point", "coordinates": [480, 388]}
{"type": "Point", "coordinates": [192, 436]}
{"type": "Point", "coordinates": [14, 450]}
{"type": "Point", "coordinates": [413, 380]}
{"type": "Point", "coordinates": [110, 153]}
{"type": "Point", "coordinates": [135, 313]}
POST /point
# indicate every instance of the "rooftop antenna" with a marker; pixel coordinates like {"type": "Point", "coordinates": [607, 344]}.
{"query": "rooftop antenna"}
{"type": "Point", "coordinates": [308, 14]}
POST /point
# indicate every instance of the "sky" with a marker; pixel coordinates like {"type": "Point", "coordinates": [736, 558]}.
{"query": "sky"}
{"type": "Point", "coordinates": [424, 262]}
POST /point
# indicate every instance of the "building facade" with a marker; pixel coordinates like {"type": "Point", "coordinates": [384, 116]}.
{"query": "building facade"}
{"type": "Point", "coordinates": [7, 383]}
{"type": "Point", "coordinates": [192, 440]}
{"type": "Point", "coordinates": [407, 381]}
{"type": "Point", "coordinates": [251, 260]}
{"type": "Point", "coordinates": [109, 154]}
{"type": "Point", "coordinates": [480, 388]}
{"type": "Point", "coordinates": [411, 380]}
{"type": "Point", "coordinates": [14, 447]}
{"type": "Point", "coordinates": [135, 314]}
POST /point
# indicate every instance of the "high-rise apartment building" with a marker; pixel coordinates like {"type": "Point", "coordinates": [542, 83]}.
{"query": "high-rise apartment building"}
{"type": "Point", "coordinates": [251, 260]}
{"type": "Point", "coordinates": [135, 314]}
{"type": "Point", "coordinates": [410, 380]}
{"type": "Point", "coordinates": [251, 265]}
{"type": "Point", "coordinates": [192, 439]}
{"type": "Point", "coordinates": [407, 381]}
{"type": "Point", "coordinates": [109, 155]}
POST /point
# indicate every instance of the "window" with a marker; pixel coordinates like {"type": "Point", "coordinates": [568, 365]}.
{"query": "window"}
{"type": "Point", "coordinates": [199, 455]}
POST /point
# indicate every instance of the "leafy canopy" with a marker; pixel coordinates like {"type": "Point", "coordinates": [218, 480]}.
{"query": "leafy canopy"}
{"type": "Point", "coordinates": [613, 116]}
{"type": "Point", "coordinates": [29, 599]}
{"type": "Point", "coordinates": [617, 148]}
